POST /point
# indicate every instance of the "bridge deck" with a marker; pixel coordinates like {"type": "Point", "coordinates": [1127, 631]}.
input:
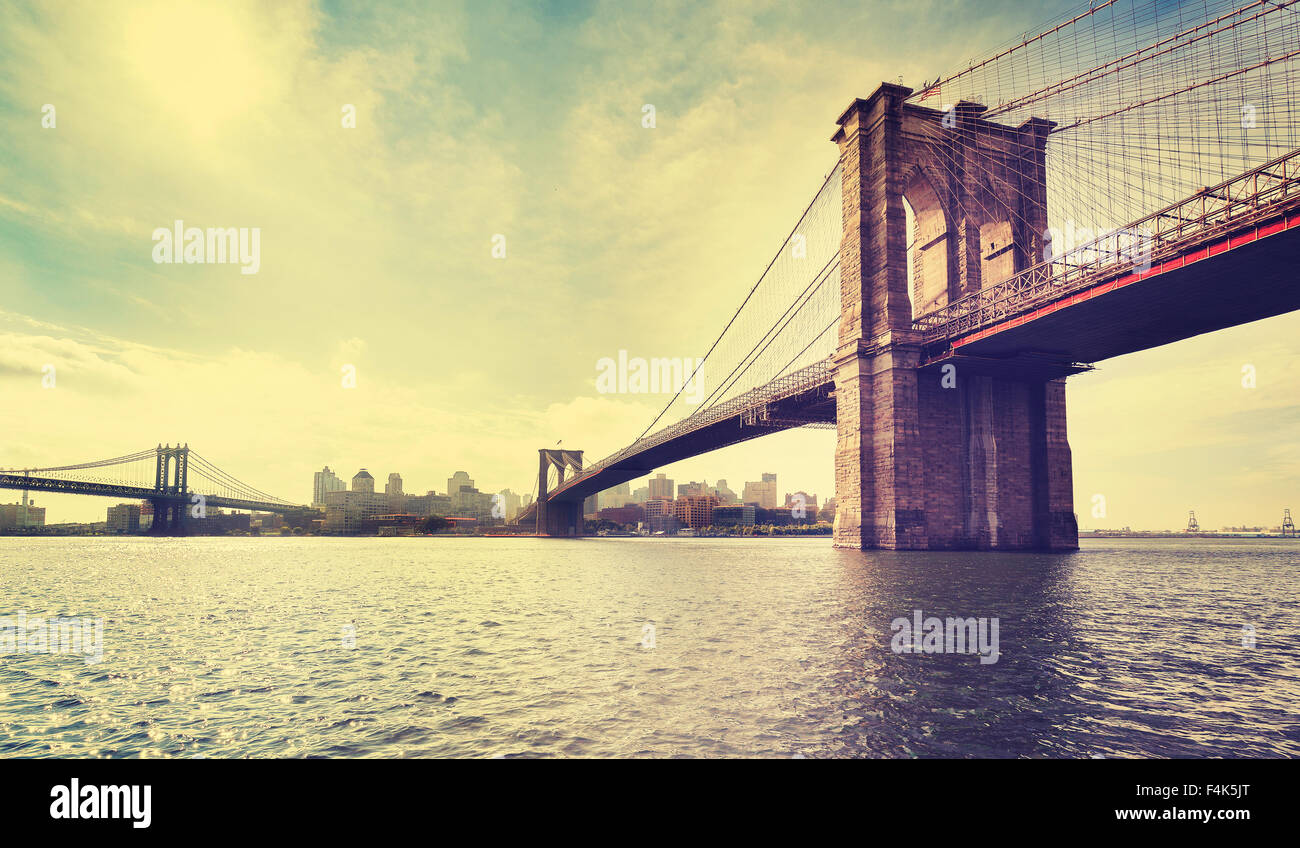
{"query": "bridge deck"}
{"type": "Point", "coordinates": [137, 493]}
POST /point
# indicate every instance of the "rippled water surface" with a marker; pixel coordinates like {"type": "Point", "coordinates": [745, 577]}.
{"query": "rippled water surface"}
{"type": "Point", "coordinates": [525, 647]}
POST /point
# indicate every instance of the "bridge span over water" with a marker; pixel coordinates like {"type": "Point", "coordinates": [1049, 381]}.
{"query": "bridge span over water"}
{"type": "Point", "coordinates": [1064, 200]}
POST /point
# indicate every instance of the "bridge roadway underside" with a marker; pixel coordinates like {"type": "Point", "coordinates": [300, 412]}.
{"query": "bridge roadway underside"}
{"type": "Point", "coordinates": [1198, 294]}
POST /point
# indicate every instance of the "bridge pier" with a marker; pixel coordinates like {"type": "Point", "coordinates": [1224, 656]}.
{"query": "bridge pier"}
{"type": "Point", "coordinates": [949, 455]}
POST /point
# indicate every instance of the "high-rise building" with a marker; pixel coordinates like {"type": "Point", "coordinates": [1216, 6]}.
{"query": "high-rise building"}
{"type": "Point", "coordinates": [457, 480]}
{"type": "Point", "coordinates": [724, 493]}
{"type": "Point", "coordinates": [661, 487]}
{"type": "Point", "coordinates": [692, 489]}
{"type": "Point", "coordinates": [325, 481]}
{"type": "Point", "coordinates": [761, 494]}
{"type": "Point", "coordinates": [641, 494]}
{"type": "Point", "coordinates": [590, 507]}
{"type": "Point", "coordinates": [363, 482]}
{"type": "Point", "coordinates": [620, 495]}
{"type": "Point", "coordinates": [510, 503]}
{"type": "Point", "coordinates": [393, 492]}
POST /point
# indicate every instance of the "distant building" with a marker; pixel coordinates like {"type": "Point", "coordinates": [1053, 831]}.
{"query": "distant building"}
{"type": "Point", "coordinates": [469, 502]}
{"type": "Point", "coordinates": [761, 494]}
{"type": "Point", "coordinates": [778, 517]}
{"type": "Point", "coordinates": [428, 504]}
{"type": "Point", "coordinates": [736, 515]}
{"type": "Point", "coordinates": [124, 518]}
{"type": "Point", "coordinates": [692, 489]}
{"type": "Point", "coordinates": [695, 511]}
{"type": "Point", "coordinates": [630, 514]}
{"type": "Point", "coordinates": [457, 480]}
{"type": "Point", "coordinates": [393, 491]}
{"type": "Point", "coordinates": [269, 522]}
{"type": "Point", "coordinates": [660, 487]}
{"type": "Point", "coordinates": [659, 515]}
{"type": "Point", "coordinates": [21, 514]}
{"type": "Point", "coordinates": [641, 495]}
{"type": "Point", "coordinates": [590, 507]}
{"type": "Point", "coordinates": [363, 482]}
{"type": "Point", "coordinates": [620, 495]}
{"type": "Point", "coordinates": [724, 494]}
{"type": "Point", "coordinates": [354, 511]}
{"type": "Point", "coordinates": [324, 481]}
{"type": "Point", "coordinates": [511, 504]}
{"type": "Point", "coordinates": [802, 500]}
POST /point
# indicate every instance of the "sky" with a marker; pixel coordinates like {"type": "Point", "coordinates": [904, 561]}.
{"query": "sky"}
{"type": "Point", "coordinates": [472, 122]}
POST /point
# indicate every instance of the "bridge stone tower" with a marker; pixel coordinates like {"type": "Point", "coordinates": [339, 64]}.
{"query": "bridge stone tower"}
{"type": "Point", "coordinates": [171, 477]}
{"type": "Point", "coordinates": [558, 517]}
{"type": "Point", "coordinates": [927, 457]}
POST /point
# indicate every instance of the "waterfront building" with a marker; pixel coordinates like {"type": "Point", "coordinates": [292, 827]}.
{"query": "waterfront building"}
{"type": "Point", "coordinates": [734, 515]}
{"type": "Point", "coordinates": [695, 511]}
{"type": "Point", "coordinates": [21, 514]}
{"type": "Point", "coordinates": [659, 515]}
{"type": "Point", "coordinates": [123, 518]}
{"type": "Point", "coordinates": [354, 511]}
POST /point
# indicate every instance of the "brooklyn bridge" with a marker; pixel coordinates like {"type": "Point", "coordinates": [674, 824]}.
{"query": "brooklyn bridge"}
{"type": "Point", "coordinates": [1125, 178]}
